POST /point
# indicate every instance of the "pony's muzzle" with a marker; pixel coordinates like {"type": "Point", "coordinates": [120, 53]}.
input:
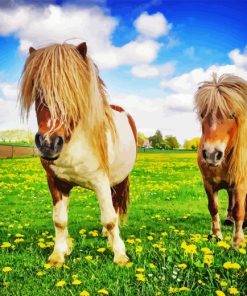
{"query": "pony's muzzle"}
{"type": "Point", "coordinates": [213, 157]}
{"type": "Point", "coordinates": [49, 147]}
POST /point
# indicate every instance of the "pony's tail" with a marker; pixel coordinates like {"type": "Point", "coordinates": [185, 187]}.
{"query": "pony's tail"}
{"type": "Point", "coordinates": [120, 198]}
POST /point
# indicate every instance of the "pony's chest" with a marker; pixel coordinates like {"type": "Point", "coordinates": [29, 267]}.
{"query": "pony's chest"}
{"type": "Point", "coordinates": [76, 164]}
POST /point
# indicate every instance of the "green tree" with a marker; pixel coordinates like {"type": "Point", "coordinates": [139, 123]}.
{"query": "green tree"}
{"type": "Point", "coordinates": [156, 140]}
{"type": "Point", "coordinates": [192, 143]}
{"type": "Point", "coordinates": [172, 141]}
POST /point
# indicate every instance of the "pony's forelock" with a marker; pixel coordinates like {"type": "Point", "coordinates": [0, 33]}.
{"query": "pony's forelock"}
{"type": "Point", "coordinates": [70, 87]}
{"type": "Point", "coordinates": [227, 96]}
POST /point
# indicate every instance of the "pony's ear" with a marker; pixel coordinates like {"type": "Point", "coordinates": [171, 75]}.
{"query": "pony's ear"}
{"type": "Point", "coordinates": [82, 48]}
{"type": "Point", "coordinates": [31, 49]}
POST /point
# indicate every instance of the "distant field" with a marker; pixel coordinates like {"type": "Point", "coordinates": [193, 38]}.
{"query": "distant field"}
{"type": "Point", "coordinates": [165, 236]}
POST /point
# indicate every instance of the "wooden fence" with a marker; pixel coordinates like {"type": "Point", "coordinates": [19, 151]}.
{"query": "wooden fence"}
{"type": "Point", "coordinates": [9, 151]}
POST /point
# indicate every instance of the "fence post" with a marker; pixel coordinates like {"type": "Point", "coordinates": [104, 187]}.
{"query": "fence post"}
{"type": "Point", "coordinates": [12, 156]}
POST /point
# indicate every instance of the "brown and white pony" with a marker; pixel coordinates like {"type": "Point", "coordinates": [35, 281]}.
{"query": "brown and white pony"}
{"type": "Point", "coordinates": [82, 140]}
{"type": "Point", "coordinates": [221, 105]}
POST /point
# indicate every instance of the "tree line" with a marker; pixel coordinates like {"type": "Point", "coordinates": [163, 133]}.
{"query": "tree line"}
{"type": "Point", "coordinates": [168, 142]}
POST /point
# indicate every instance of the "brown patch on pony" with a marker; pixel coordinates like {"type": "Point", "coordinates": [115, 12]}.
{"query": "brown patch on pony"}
{"type": "Point", "coordinates": [70, 87]}
{"type": "Point", "coordinates": [57, 186]}
{"type": "Point", "coordinates": [120, 197]}
{"type": "Point", "coordinates": [130, 119]}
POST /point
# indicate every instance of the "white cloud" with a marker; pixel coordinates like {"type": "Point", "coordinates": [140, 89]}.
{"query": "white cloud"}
{"type": "Point", "coordinates": [155, 113]}
{"type": "Point", "coordinates": [239, 59]}
{"type": "Point", "coordinates": [152, 26]}
{"type": "Point", "coordinates": [151, 71]}
{"type": "Point", "coordinates": [39, 26]}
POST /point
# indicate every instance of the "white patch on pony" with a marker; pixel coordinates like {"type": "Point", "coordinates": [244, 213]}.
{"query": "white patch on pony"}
{"type": "Point", "coordinates": [78, 164]}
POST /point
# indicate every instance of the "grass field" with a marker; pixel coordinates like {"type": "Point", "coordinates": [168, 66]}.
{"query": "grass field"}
{"type": "Point", "coordinates": [165, 236]}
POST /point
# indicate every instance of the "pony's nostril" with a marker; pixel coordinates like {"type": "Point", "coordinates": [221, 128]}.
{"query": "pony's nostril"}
{"type": "Point", "coordinates": [204, 154]}
{"type": "Point", "coordinates": [218, 155]}
{"type": "Point", "coordinates": [58, 143]}
{"type": "Point", "coordinates": [39, 140]}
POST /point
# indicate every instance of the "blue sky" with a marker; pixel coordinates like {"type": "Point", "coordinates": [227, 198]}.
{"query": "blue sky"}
{"type": "Point", "coordinates": [151, 54]}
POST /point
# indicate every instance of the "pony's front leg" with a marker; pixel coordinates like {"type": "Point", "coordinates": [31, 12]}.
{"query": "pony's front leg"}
{"type": "Point", "coordinates": [109, 220]}
{"type": "Point", "coordinates": [213, 209]}
{"type": "Point", "coordinates": [239, 215]}
{"type": "Point", "coordinates": [63, 243]}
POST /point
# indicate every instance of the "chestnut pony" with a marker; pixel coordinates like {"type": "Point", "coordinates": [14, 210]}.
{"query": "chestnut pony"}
{"type": "Point", "coordinates": [221, 105]}
{"type": "Point", "coordinates": [82, 140]}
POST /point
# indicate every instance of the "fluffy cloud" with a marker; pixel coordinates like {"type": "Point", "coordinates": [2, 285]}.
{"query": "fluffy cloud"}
{"type": "Point", "coordinates": [239, 59]}
{"type": "Point", "coordinates": [152, 26]}
{"type": "Point", "coordinates": [151, 71]}
{"type": "Point", "coordinates": [38, 25]}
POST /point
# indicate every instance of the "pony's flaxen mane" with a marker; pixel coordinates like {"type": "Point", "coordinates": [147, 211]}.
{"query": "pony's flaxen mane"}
{"type": "Point", "coordinates": [227, 96]}
{"type": "Point", "coordinates": [70, 87]}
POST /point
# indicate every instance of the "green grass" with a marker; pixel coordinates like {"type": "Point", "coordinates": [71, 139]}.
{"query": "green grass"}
{"type": "Point", "coordinates": [22, 144]}
{"type": "Point", "coordinates": [168, 207]}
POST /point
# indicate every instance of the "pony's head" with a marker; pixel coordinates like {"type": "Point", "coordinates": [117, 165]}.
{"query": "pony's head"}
{"type": "Point", "coordinates": [221, 105]}
{"type": "Point", "coordinates": [63, 83]}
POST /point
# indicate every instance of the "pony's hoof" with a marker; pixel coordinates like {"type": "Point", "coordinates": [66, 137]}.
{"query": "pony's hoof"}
{"type": "Point", "coordinates": [228, 222]}
{"type": "Point", "coordinates": [121, 260]}
{"type": "Point", "coordinates": [237, 242]}
{"type": "Point", "coordinates": [218, 237]}
{"type": "Point", "coordinates": [56, 259]}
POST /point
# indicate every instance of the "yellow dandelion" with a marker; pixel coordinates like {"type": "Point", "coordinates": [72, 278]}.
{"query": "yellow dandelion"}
{"type": "Point", "coordinates": [130, 241]}
{"type": "Point", "coordinates": [88, 258]}
{"type": "Point", "coordinates": [233, 291]}
{"type": "Point", "coordinates": [223, 283]}
{"type": "Point", "coordinates": [172, 290]}
{"type": "Point", "coordinates": [140, 269]}
{"type": "Point", "coordinates": [223, 244]}
{"type": "Point", "coordinates": [184, 289]}
{"type": "Point", "coordinates": [5, 245]}
{"type": "Point", "coordinates": [103, 291]}
{"type": "Point", "coordinates": [206, 250]}
{"type": "Point", "coordinates": [19, 240]}
{"type": "Point", "coordinates": [140, 277]}
{"type": "Point", "coordinates": [182, 266]}
{"type": "Point", "coordinates": [220, 293]}
{"type": "Point", "coordinates": [150, 237]}
{"type": "Point", "coordinates": [230, 265]}
{"type": "Point", "coordinates": [242, 251]}
{"type": "Point", "coordinates": [47, 265]}
{"type": "Point", "coordinates": [101, 250]}
{"type": "Point", "coordinates": [7, 269]}
{"type": "Point", "coordinates": [76, 282]}
{"type": "Point", "coordinates": [139, 249]}
{"type": "Point", "coordinates": [61, 283]}
{"type": "Point", "coordinates": [40, 273]}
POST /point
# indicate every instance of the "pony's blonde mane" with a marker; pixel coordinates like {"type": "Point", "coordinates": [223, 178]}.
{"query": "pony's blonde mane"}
{"type": "Point", "coordinates": [227, 96]}
{"type": "Point", "coordinates": [70, 87]}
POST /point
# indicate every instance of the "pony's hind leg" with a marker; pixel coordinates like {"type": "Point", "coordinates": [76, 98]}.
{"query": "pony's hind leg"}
{"type": "Point", "coordinates": [120, 199]}
{"type": "Point", "coordinates": [213, 209]}
{"type": "Point", "coordinates": [63, 243]}
{"type": "Point", "coordinates": [109, 220]}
